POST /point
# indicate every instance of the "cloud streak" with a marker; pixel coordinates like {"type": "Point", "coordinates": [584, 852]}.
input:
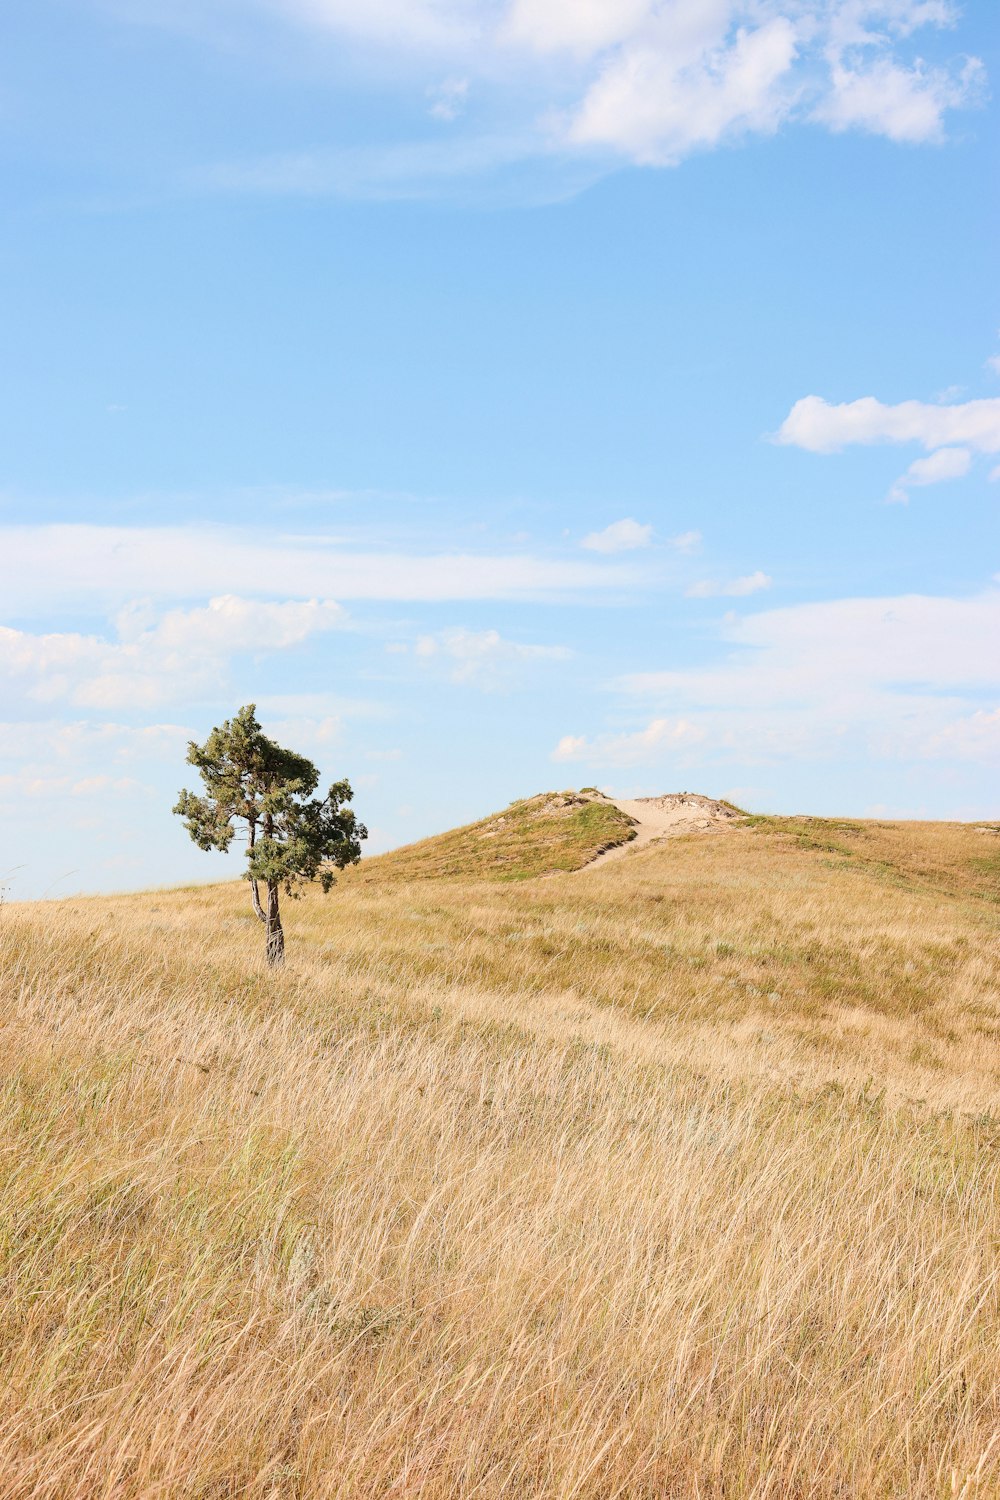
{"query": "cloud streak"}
{"type": "Point", "coordinates": [101, 567]}
{"type": "Point", "coordinates": [734, 588]}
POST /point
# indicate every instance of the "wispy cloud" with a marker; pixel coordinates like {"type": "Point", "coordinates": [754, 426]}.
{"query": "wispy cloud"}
{"type": "Point", "coordinates": [415, 170]}
{"type": "Point", "coordinates": [942, 464]}
{"type": "Point", "coordinates": [483, 658]}
{"type": "Point", "coordinates": [686, 541]}
{"type": "Point", "coordinates": [102, 567]}
{"type": "Point", "coordinates": [620, 536]}
{"type": "Point", "coordinates": [913, 677]}
{"type": "Point", "coordinates": [448, 99]}
{"type": "Point", "coordinates": [733, 588]}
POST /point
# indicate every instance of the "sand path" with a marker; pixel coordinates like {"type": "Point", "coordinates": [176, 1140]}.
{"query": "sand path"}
{"type": "Point", "coordinates": [665, 817]}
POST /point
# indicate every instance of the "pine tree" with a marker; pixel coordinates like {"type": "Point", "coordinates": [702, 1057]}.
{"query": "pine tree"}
{"type": "Point", "coordinates": [292, 837]}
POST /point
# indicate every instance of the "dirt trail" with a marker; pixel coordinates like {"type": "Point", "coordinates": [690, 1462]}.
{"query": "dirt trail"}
{"type": "Point", "coordinates": [665, 817]}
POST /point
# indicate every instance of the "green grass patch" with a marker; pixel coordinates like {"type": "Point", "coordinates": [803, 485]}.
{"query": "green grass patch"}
{"type": "Point", "coordinates": [554, 832]}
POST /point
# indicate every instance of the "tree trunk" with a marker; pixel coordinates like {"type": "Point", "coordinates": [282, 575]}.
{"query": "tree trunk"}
{"type": "Point", "coordinates": [275, 937]}
{"type": "Point", "coordinates": [254, 892]}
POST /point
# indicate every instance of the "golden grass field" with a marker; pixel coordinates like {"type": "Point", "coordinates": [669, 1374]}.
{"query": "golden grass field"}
{"type": "Point", "coordinates": [679, 1177]}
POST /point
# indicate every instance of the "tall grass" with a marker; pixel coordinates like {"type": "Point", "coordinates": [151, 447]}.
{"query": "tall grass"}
{"type": "Point", "coordinates": [677, 1178]}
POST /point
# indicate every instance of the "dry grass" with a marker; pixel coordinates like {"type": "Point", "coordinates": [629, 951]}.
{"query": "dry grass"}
{"type": "Point", "coordinates": [674, 1178]}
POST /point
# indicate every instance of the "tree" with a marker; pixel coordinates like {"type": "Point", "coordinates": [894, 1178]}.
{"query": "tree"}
{"type": "Point", "coordinates": [292, 837]}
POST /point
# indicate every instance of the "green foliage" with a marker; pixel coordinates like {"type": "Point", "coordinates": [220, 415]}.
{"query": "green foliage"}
{"type": "Point", "coordinates": [292, 836]}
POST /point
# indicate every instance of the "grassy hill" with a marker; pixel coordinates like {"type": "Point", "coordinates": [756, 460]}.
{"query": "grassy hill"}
{"type": "Point", "coordinates": [675, 1177]}
{"type": "Point", "coordinates": [541, 835]}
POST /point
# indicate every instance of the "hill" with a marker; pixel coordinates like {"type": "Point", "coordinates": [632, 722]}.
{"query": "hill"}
{"type": "Point", "coordinates": [674, 1175]}
{"type": "Point", "coordinates": [555, 831]}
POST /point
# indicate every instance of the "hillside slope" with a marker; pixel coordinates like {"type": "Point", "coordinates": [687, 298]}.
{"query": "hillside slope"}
{"type": "Point", "coordinates": [541, 835]}
{"type": "Point", "coordinates": [678, 1177]}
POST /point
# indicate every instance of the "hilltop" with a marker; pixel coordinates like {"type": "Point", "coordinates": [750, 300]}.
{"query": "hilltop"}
{"type": "Point", "coordinates": [550, 833]}
{"type": "Point", "coordinates": [531, 1174]}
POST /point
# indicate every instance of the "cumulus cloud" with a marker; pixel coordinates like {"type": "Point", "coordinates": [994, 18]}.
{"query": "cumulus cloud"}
{"type": "Point", "coordinates": [819, 427]}
{"type": "Point", "coordinates": [657, 101]}
{"type": "Point", "coordinates": [951, 432]}
{"type": "Point", "coordinates": [155, 661]}
{"type": "Point", "coordinates": [671, 79]}
{"type": "Point", "coordinates": [661, 738]}
{"type": "Point", "coordinates": [482, 658]}
{"type": "Point", "coordinates": [906, 104]}
{"type": "Point", "coordinates": [620, 536]}
{"type": "Point", "coordinates": [649, 81]}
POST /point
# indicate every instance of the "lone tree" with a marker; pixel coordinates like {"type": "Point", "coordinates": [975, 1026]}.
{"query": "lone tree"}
{"type": "Point", "coordinates": [292, 837]}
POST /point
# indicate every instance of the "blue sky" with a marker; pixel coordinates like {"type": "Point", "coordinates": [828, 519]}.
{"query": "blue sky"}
{"type": "Point", "coordinates": [503, 394]}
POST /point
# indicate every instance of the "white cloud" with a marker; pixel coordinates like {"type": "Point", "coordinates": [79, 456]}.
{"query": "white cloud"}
{"type": "Point", "coordinates": [229, 623]}
{"type": "Point", "coordinates": [308, 732]}
{"type": "Point", "coordinates": [174, 658]}
{"type": "Point", "coordinates": [892, 678]}
{"type": "Point", "coordinates": [993, 363]}
{"type": "Point", "coordinates": [432, 25]}
{"type": "Point", "coordinates": [584, 28]}
{"type": "Point", "coordinates": [950, 431]}
{"type": "Point", "coordinates": [735, 588]}
{"type": "Point", "coordinates": [73, 743]}
{"type": "Point", "coordinates": [819, 427]}
{"type": "Point", "coordinates": [14, 787]}
{"type": "Point", "coordinates": [100, 567]}
{"type": "Point", "coordinates": [844, 644]}
{"type": "Point", "coordinates": [676, 78]}
{"type": "Point", "coordinates": [620, 536]}
{"type": "Point", "coordinates": [974, 736]}
{"type": "Point", "coordinates": [661, 738]}
{"type": "Point", "coordinates": [649, 81]}
{"type": "Point", "coordinates": [907, 104]}
{"type": "Point", "coordinates": [483, 657]}
{"type": "Point", "coordinates": [685, 83]}
{"type": "Point", "coordinates": [942, 464]}
{"type": "Point", "coordinates": [686, 541]}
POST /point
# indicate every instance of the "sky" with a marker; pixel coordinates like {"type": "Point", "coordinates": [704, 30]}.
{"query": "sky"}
{"type": "Point", "coordinates": [503, 395]}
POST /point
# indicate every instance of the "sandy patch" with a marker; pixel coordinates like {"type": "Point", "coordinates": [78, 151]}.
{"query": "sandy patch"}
{"type": "Point", "coordinates": [658, 818]}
